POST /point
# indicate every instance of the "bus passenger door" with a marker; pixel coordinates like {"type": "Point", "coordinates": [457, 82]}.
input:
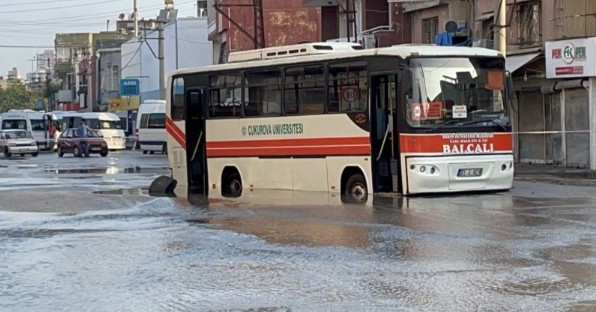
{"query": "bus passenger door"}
{"type": "Point", "coordinates": [382, 141]}
{"type": "Point", "coordinates": [195, 142]}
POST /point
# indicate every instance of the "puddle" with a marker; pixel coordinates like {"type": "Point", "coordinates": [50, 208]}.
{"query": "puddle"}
{"type": "Point", "coordinates": [27, 166]}
{"type": "Point", "coordinates": [106, 170]}
{"type": "Point", "coordinates": [130, 191]}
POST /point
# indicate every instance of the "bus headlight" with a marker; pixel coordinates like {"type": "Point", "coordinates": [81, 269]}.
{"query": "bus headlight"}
{"type": "Point", "coordinates": [425, 169]}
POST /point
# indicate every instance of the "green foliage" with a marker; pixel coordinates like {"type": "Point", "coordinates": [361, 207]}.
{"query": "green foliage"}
{"type": "Point", "coordinates": [16, 96]}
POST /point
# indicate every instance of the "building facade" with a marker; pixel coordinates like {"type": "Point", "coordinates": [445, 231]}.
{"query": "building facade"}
{"type": "Point", "coordinates": [232, 25]}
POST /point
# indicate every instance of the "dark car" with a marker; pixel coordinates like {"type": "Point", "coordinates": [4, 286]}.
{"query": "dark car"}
{"type": "Point", "coordinates": [69, 142]}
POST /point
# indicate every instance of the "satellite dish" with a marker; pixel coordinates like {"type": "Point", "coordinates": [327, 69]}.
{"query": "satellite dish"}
{"type": "Point", "coordinates": [121, 16]}
{"type": "Point", "coordinates": [450, 26]}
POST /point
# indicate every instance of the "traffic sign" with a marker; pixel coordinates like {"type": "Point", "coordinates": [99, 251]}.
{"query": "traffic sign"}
{"type": "Point", "coordinates": [129, 87]}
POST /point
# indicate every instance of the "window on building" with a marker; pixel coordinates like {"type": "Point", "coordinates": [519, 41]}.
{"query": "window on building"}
{"type": "Point", "coordinates": [528, 22]}
{"type": "Point", "coordinates": [430, 28]}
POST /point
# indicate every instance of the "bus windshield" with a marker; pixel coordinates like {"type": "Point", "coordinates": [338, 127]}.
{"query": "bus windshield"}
{"type": "Point", "coordinates": [445, 92]}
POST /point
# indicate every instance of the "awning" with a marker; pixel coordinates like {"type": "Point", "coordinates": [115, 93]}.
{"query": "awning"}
{"type": "Point", "coordinates": [485, 16]}
{"type": "Point", "coordinates": [514, 62]}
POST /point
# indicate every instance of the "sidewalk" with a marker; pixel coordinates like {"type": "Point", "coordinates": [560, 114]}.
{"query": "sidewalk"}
{"type": "Point", "coordinates": [555, 174]}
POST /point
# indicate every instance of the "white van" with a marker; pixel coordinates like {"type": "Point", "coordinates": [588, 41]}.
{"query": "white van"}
{"type": "Point", "coordinates": [35, 122]}
{"type": "Point", "coordinates": [151, 126]}
{"type": "Point", "coordinates": [109, 126]}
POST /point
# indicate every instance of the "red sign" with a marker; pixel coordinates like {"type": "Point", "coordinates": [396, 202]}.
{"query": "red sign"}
{"type": "Point", "coordinates": [427, 110]}
{"type": "Point", "coordinates": [456, 143]}
{"type": "Point", "coordinates": [569, 70]}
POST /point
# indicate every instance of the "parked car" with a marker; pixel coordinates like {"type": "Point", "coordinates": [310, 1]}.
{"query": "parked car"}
{"type": "Point", "coordinates": [17, 142]}
{"type": "Point", "coordinates": [69, 142]}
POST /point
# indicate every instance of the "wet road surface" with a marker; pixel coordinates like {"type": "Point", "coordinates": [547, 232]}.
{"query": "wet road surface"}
{"type": "Point", "coordinates": [73, 240]}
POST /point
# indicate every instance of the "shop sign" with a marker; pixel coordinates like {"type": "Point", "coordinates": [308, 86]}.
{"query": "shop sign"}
{"type": "Point", "coordinates": [571, 58]}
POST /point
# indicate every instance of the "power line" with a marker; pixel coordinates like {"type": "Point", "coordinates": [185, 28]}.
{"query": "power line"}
{"type": "Point", "coordinates": [39, 2]}
{"type": "Point", "coordinates": [104, 14]}
{"type": "Point", "coordinates": [57, 8]}
{"type": "Point", "coordinates": [26, 46]}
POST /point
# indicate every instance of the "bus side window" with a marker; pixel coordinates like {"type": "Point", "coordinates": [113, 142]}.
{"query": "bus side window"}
{"type": "Point", "coordinates": [178, 105]}
{"type": "Point", "coordinates": [305, 90]}
{"type": "Point", "coordinates": [264, 93]}
{"type": "Point", "coordinates": [348, 87]}
{"type": "Point", "coordinates": [225, 95]}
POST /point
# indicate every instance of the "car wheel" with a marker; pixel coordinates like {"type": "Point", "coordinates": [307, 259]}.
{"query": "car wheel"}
{"type": "Point", "coordinates": [34, 154]}
{"type": "Point", "coordinates": [22, 155]}
{"type": "Point", "coordinates": [6, 152]}
{"type": "Point", "coordinates": [76, 152]}
{"type": "Point", "coordinates": [103, 154]}
{"type": "Point", "coordinates": [144, 152]}
{"type": "Point", "coordinates": [60, 152]}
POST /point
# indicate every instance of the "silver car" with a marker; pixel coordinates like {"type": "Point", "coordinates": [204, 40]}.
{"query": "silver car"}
{"type": "Point", "coordinates": [18, 142]}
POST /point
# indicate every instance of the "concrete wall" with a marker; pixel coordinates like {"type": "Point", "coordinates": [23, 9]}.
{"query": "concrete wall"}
{"type": "Point", "coordinates": [416, 17]}
{"type": "Point", "coordinates": [185, 45]}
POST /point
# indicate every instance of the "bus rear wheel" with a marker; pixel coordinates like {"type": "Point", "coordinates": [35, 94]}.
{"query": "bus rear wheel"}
{"type": "Point", "coordinates": [356, 190]}
{"type": "Point", "coordinates": [232, 185]}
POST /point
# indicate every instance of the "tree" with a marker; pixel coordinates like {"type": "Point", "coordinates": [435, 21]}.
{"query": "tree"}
{"type": "Point", "coordinates": [16, 96]}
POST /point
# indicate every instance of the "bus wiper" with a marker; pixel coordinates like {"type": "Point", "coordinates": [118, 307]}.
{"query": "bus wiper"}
{"type": "Point", "coordinates": [455, 122]}
{"type": "Point", "coordinates": [447, 123]}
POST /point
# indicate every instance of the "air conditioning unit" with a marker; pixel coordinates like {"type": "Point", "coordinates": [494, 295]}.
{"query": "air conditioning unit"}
{"type": "Point", "coordinates": [457, 27]}
{"type": "Point", "coordinates": [484, 43]}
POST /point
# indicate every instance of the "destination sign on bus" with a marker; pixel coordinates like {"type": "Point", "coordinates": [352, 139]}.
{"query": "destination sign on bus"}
{"type": "Point", "coordinates": [273, 129]}
{"type": "Point", "coordinates": [456, 143]}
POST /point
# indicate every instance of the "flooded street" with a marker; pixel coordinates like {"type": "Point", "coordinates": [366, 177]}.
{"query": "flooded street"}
{"type": "Point", "coordinates": [83, 235]}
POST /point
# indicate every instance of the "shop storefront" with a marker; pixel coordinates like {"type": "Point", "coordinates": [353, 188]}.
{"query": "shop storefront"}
{"type": "Point", "coordinates": [571, 73]}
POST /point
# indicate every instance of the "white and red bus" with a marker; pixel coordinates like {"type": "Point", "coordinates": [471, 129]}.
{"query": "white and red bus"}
{"type": "Point", "coordinates": [333, 117]}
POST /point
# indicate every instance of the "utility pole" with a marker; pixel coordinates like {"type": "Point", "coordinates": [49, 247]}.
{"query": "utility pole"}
{"type": "Point", "coordinates": [501, 27]}
{"type": "Point", "coordinates": [135, 19]}
{"type": "Point", "coordinates": [160, 57]}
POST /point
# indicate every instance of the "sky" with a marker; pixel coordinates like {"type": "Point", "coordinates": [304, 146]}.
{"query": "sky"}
{"type": "Point", "coordinates": [28, 27]}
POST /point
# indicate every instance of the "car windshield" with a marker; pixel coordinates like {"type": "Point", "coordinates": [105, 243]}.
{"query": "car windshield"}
{"type": "Point", "coordinates": [93, 134]}
{"type": "Point", "coordinates": [17, 135]}
{"type": "Point", "coordinates": [455, 91]}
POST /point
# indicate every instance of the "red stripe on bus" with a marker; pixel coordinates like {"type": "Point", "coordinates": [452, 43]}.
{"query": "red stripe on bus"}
{"type": "Point", "coordinates": [345, 150]}
{"type": "Point", "coordinates": [456, 143]}
{"type": "Point", "coordinates": [335, 141]}
{"type": "Point", "coordinates": [175, 132]}
{"type": "Point", "coordinates": [290, 147]}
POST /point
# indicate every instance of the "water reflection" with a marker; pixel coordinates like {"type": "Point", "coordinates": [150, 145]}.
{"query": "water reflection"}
{"type": "Point", "coordinates": [106, 170]}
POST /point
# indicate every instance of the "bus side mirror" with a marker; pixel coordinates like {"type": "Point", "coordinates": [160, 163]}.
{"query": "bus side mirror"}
{"type": "Point", "coordinates": [510, 93]}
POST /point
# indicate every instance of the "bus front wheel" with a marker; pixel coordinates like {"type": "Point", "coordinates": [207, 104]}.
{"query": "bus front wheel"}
{"type": "Point", "coordinates": [232, 186]}
{"type": "Point", "coordinates": [356, 189]}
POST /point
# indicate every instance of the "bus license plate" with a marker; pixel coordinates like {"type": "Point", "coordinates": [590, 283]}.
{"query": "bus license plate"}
{"type": "Point", "coordinates": [469, 172]}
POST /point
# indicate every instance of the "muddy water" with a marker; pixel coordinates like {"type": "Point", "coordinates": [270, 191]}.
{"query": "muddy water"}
{"type": "Point", "coordinates": [303, 252]}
